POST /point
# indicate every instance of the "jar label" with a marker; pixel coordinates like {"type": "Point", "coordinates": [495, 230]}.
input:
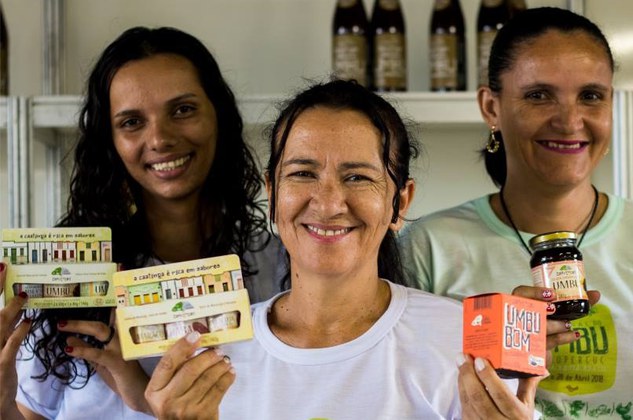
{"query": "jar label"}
{"type": "Point", "coordinates": [349, 57]}
{"type": "Point", "coordinates": [390, 67]}
{"type": "Point", "coordinates": [444, 61]}
{"type": "Point", "coordinates": [566, 277]}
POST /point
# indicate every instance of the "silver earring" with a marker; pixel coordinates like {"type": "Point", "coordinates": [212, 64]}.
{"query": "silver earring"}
{"type": "Point", "coordinates": [493, 143]}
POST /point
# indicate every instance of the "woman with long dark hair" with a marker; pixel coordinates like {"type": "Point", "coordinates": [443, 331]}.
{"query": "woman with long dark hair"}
{"type": "Point", "coordinates": [162, 161]}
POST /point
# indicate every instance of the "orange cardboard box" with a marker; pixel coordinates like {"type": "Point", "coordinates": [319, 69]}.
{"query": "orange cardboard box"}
{"type": "Point", "coordinates": [509, 331]}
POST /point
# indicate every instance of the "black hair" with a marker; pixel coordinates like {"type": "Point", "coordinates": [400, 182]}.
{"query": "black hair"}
{"type": "Point", "coordinates": [398, 148]}
{"type": "Point", "coordinates": [524, 27]}
{"type": "Point", "coordinates": [102, 192]}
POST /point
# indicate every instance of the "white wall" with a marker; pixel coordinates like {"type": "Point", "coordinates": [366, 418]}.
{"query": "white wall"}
{"type": "Point", "coordinates": [270, 46]}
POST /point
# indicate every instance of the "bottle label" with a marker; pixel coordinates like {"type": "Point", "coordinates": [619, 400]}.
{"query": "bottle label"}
{"type": "Point", "coordinates": [566, 277]}
{"type": "Point", "coordinates": [491, 3]}
{"type": "Point", "coordinates": [346, 3]}
{"type": "Point", "coordinates": [441, 4]}
{"type": "Point", "coordinates": [444, 62]}
{"type": "Point", "coordinates": [485, 39]}
{"type": "Point", "coordinates": [390, 65]}
{"type": "Point", "coordinates": [389, 4]}
{"type": "Point", "coordinates": [349, 57]}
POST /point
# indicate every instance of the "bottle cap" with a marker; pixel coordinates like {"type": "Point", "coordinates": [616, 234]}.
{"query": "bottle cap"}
{"type": "Point", "coordinates": [551, 236]}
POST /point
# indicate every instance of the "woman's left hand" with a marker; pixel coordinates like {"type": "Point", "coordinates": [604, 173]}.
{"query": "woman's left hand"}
{"type": "Point", "coordinates": [486, 396]}
{"type": "Point", "coordinates": [127, 379]}
{"type": "Point", "coordinates": [558, 331]}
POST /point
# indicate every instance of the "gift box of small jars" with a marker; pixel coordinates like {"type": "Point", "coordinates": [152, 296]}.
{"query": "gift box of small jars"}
{"type": "Point", "coordinates": [59, 267]}
{"type": "Point", "coordinates": [158, 305]}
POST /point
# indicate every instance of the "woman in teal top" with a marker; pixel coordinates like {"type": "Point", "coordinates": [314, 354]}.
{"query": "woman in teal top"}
{"type": "Point", "coordinates": [549, 108]}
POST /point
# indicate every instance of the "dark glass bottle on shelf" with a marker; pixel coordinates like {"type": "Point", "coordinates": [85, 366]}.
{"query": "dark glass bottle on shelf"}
{"type": "Point", "coordinates": [389, 47]}
{"type": "Point", "coordinates": [493, 14]}
{"type": "Point", "coordinates": [516, 6]}
{"type": "Point", "coordinates": [447, 47]}
{"type": "Point", "coordinates": [350, 45]}
{"type": "Point", "coordinates": [4, 56]}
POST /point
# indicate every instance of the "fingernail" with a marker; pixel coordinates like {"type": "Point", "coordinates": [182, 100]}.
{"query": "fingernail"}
{"type": "Point", "coordinates": [23, 295]}
{"type": "Point", "coordinates": [2, 267]}
{"type": "Point", "coordinates": [551, 308]}
{"type": "Point", "coordinates": [219, 352]}
{"type": "Point", "coordinates": [27, 320]}
{"type": "Point", "coordinates": [68, 349]}
{"type": "Point", "coordinates": [577, 334]}
{"type": "Point", "coordinates": [479, 364]}
{"type": "Point", "coordinates": [547, 294]}
{"type": "Point", "coordinates": [62, 324]}
{"type": "Point", "coordinates": [232, 370]}
{"type": "Point", "coordinates": [461, 359]}
{"type": "Point", "coordinates": [226, 359]}
{"type": "Point", "coordinates": [193, 336]}
{"type": "Point", "coordinates": [568, 325]}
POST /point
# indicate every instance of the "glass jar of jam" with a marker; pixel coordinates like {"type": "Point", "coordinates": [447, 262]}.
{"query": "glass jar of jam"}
{"type": "Point", "coordinates": [557, 263]}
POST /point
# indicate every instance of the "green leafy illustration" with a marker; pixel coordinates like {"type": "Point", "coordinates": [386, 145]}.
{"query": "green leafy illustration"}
{"type": "Point", "coordinates": [624, 410]}
{"type": "Point", "coordinates": [576, 407]}
{"type": "Point", "coordinates": [549, 409]}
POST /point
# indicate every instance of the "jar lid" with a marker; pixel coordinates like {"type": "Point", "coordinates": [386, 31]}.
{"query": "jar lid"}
{"type": "Point", "coordinates": [551, 236]}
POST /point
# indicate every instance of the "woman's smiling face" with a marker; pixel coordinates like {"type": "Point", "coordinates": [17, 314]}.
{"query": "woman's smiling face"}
{"type": "Point", "coordinates": [164, 126]}
{"type": "Point", "coordinates": [555, 108]}
{"type": "Point", "coordinates": [334, 196]}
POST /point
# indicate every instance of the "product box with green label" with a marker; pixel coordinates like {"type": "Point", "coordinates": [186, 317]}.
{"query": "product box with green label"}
{"type": "Point", "coordinates": [59, 267]}
{"type": "Point", "coordinates": [158, 305]}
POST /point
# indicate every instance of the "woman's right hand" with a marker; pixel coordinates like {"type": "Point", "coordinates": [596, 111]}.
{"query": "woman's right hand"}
{"type": "Point", "coordinates": [186, 386]}
{"type": "Point", "coordinates": [12, 334]}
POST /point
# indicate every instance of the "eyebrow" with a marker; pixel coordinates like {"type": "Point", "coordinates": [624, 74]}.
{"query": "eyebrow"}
{"type": "Point", "coordinates": [588, 86]}
{"type": "Point", "coordinates": [344, 165]}
{"type": "Point", "coordinates": [170, 102]}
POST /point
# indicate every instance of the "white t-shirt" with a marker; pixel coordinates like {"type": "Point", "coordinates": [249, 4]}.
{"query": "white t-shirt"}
{"type": "Point", "coordinates": [467, 250]}
{"type": "Point", "coordinates": [403, 367]}
{"type": "Point", "coordinates": [55, 400]}
{"type": "Point", "coordinates": [96, 400]}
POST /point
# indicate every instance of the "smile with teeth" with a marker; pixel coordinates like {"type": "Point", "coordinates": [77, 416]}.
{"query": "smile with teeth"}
{"type": "Point", "coordinates": [328, 232]}
{"type": "Point", "coordinates": [563, 146]}
{"type": "Point", "coordinates": [169, 166]}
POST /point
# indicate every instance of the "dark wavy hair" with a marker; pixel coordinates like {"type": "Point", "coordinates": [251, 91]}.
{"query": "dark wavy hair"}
{"type": "Point", "coordinates": [521, 29]}
{"type": "Point", "coordinates": [102, 192]}
{"type": "Point", "coordinates": [399, 148]}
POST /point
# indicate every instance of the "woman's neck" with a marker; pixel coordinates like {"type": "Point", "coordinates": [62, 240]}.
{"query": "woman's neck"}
{"type": "Point", "coordinates": [535, 210]}
{"type": "Point", "coordinates": [320, 312]}
{"type": "Point", "coordinates": [175, 230]}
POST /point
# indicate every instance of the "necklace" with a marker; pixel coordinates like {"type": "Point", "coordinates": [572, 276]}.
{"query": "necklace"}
{"type": "Point", "coordinates": [594, 208]}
